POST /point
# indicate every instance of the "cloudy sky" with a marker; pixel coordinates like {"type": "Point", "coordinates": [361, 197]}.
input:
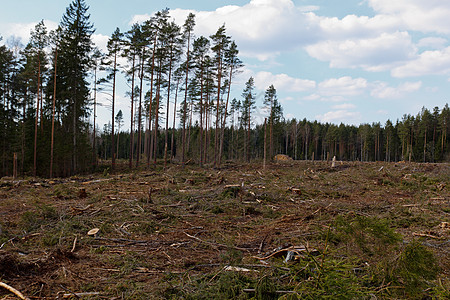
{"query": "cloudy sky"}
{"type": "Point", "coordinates": [352, 61]}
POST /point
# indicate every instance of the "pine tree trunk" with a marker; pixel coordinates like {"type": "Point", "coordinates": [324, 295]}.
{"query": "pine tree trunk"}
{"type": "Point", "coordinates": [183, 142]}
{"type": "Point", "coordinates": [53, 117]}
{"type": "Point", "coordinates": [36, 121]}
{"type": "Point", "coordinates": [201, 117]}
{"type": "Point", "coordinates": [139, 136]}
{"type": "Point", "coordinates": [155, 133]}
{"type": "Point", "coordinates": [248, 135]}
{"type": "Point", "coordinates": [172, 146]}
{"type": "Point", "coordinates": [219, 79]}
{"type": "Point", "coordinates": [166, 135]}
{"type": "Point", "coordinates": [222, 135]}
{"type": "Point", "coordinates": [265, 146]}
{"type": "Point", "coordinates": [130, 163]}
{"type": "Point", "coordinates": [113, 156]}
{"type": "Point", "coordinates": [150, 108]}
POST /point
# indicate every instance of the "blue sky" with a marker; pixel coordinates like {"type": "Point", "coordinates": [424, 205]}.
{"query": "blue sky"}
{"type": "Point", "coordinates": [353, 61]}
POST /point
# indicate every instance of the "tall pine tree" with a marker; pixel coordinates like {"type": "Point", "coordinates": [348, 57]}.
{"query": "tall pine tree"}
{"type": "Point", "coordinates": [72, 85]}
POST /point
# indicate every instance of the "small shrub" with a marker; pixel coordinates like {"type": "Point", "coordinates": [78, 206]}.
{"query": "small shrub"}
{"type": "Point", "coordinates": [417, 265]}
{"type": "Point", "coordinates": [265, 289]}
{"type": "Point", "coordinates": [370, 235]}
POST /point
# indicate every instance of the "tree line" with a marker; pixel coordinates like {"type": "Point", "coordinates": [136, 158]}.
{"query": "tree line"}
{"type": "Point", "coordinates": [50, 88]}
{"type": "Point", "coordinates": [420, 138]}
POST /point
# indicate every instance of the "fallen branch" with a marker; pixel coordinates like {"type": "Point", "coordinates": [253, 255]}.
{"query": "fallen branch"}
{"type": "Point", "coordinates": [261, 246]}
{"type": "Point", "coordinates": [13, 290]}
{"type": "Point", "coordinates": [427, 235]}
{"type": "Point", "coordinates": [278, 292]}
{"type": "Point", "coordinates": [74, 244]}
{"type": "Point", "coordinates": [97, 181]}
{"type": "Point", "coordinates": [215, 244]}
{"type": "Point", "coordinates": [10, 240]}
{"type": "Point", "coordinates": [79, 295]}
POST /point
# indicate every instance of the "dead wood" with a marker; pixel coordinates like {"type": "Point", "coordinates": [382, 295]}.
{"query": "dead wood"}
{"type": "Point", "coordinates": [13, 290]}
{"type": "Point", "coordinates": [277, 292]}
{"type": "Point", "coordinates": [427, 235]}
{"type": "Point", "coordinates": [79, 295]}
{"type": "Point", "coordinates": [215, 244]}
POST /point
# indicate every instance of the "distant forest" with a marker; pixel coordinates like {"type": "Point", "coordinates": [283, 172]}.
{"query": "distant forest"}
{"type": "Point", "coordinates": [49, 91]}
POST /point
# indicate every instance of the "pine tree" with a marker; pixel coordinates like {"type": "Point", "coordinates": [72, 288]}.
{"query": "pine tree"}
{"type": "Point", "coordinates": [109, 64]}
{"type": "Point", "coordinates": [55, 37]}
{"type": "Point", "coordinates": [199, 57]}
{"type": "Point", "coordinates": [172, 35]}
{"type": "Point", "coordinates": [72, 86]}
{"type": "Point", "coordinates": [133, 42]}
{"type": "Point", "coordinates": [188, 27]}
{"type": "Point", "coordinates": [248, 105]}
{"type": "Point", "coordinates": [37, 44]}
{"type": "Point", "coordinates": [233, 64]}
{"type": "Point", "coordinates": [220, 43]}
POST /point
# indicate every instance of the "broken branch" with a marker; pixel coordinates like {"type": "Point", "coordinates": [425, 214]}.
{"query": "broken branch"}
{"type": "Point", "coordinates": [13, 290]}
{"type": "Point", "coordinates": [215, 244]}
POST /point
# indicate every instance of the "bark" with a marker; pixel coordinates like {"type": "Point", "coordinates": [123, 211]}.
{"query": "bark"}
{"type": "Point", "coordinates": [53, 118]}
{"type": "Point", "coordinates": [150, 110]}
{"type": "Point", "coordinates": [183, 149]}
{"type": "Point", "coordinates": [113, 154]}
{"type": "Point", "coordinates": [222, 134]}
{"type": "Point", "coordinates": [130, 163]}
{"type": "Point", "coordinates": [36, 121]}
{"type": "Point", "coordinates": [166, 135]}
{"type": "Point", "coordinates": [139, 137]}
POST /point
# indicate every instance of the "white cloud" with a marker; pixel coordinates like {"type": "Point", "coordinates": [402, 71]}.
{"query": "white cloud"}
{"type": "Point", "coordinates": [343, 86]}
{"type": "Point", "coordinates": [282, 82]}
{"type": "Point", "coordinates": [353, 26]}
{"type": "Point", "coordinates": [22, 30]}
{"type": "Point", "coordinates": [384, 91]}
{"type": "Point", "coordinates": [100, 41]}
{"type": "Point", "coordinates": [261, 28]}
{"type": "Point", "coordinates": [266, 28]}
{"type": "Point", "coordinates": [432, 42]}
{"type": "Point", "coordinates": [340, 116]}
{"type": "Point", "coordinates": [418, 15]}
{"type": "Point", "coordinates": [343, 106]}
{"type": "Point", "coordinates": [435, 62]}
{"type": "Point", "coordinates": [373, 54]}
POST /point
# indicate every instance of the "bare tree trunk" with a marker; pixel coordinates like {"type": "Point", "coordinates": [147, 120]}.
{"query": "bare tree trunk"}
{"type": "Point", "coordinates": [139, 137]}
{"type": "Point", "coordinates": [166, 135]}
{"type": "Point", "coordinates": [190, 126]}
{"type": "Point", "coordinates": [173, 126]}
{"type": "Point", "coordinates": [265, 139]}
{"type": "Point", "coordinates": [219, 79]}
{"type": "Point", "coordinates": [53, 117]}
{"type": "Point", "coordinates": [155, 133]}
{"type": "Point", "coordinates": [222, 135]}
{"type": "Point", "coordinates": [130, 163]}
{"type": "Point", "coordinates": [23, 132]}
{"type": "Point", "coordinates": [201, 118]}
{"type": "Point", "coordinates": [248, 135]}
{"type": "Point", "coordinates": [150, 108]}
{"type": "Point", "coordinates": [36, 121]}
{"type": "Point", "coordinates": [113, 154]}
{"type": "Point", "coordinates": [185, 103]}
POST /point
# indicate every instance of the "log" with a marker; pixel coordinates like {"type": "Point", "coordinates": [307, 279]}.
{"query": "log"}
{"type": "Point", "coordinates": [13, 290]}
